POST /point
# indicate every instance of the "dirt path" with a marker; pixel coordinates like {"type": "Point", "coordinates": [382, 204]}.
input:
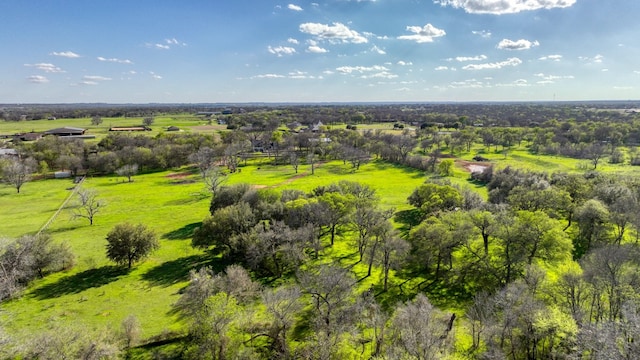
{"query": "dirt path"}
{"type": "Point", "coordinates": [473, 166]}
{"type": "Point", "coordinates": [295, 177]}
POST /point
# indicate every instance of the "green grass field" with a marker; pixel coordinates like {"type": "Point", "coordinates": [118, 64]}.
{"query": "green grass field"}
{"type": "Point", "coordinates": [96, 294]}
{"type": "Point", "coordinates": [186, 123]}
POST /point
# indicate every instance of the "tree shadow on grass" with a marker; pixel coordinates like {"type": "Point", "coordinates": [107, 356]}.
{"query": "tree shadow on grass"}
{"type": "Point", "coordinates": [194, 198]}
{"type": "Point", "coordinates": [182, 233]}
{"type": "Point", "coordinates": [172, 272]}
{"type": "Point", "coordinates": [408, 219]}
{"type": "Point", "coordinates": [79, 282]}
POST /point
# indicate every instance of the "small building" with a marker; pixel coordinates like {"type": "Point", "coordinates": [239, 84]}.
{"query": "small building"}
{"type": "Point", "coordinates": [130, 128]}
{"type": "Point", "coordinates": [66, 131]}
{"type": "Point", "coordinates": [30, 136]}
{"type": "Point", "coordinates": [8, 152]}
{"type": "Point", "coordinates": [62, 174]}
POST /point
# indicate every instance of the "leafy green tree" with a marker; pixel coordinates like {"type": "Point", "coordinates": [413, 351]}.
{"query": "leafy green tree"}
{"type": "Point", "coordinates": [445, 167]}
{"type": "Point", "coordinates": [431, 198]}
{"type": "Point", "coordinates": [127, 243]}
{"type": "Point", "coordinates": [338, 207]}
{"type": "Point", "coordinates": [96, 120]}
{"type": "Point", "coordinates": [593, 221]}
{"type": "Point", "coordinates": [276, 249]}
{"type": "Point", "coordinates": [221, 229]}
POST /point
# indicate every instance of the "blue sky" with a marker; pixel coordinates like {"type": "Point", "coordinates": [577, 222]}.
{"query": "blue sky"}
{"type": "Point", "coordinates": [116, 51]}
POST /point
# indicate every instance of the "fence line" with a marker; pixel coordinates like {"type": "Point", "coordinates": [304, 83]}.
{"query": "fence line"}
{"type": "Point", "coordinates": [75, 190]}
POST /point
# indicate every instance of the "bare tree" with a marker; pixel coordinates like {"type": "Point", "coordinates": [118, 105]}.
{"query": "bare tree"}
{"type": "Point", "coordinates": [419, 331]}
{"type": "Point", "coordinates": [204, 158]}
{"type": "Point", "coordinates": [282, 304]}
{"type": "Point", "coordinates": [331, 290]}
{"type": "Point", "coordinates": [88, 205]}
{"type": "Point", "coordinates": [17, 172]}
{"type": "Point", "coordinates": [147, 121]}
{"type": "Point", "coordinates": [393, 250]}
{"type": "Point", "coordinates": [128, 171]}
{"type": "Point", "coordinates": [130, 330]}
{"type": "Point", "coordinates": [294, 160]}
{"type": "Point", "coordinates": [214, 179]}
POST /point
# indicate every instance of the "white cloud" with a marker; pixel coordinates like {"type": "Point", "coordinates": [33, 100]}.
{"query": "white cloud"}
{"type": "Point", "coordinates": [95, 78]}
{"type": "Point", "coordinates": [293, 41]}
{"type": "Point", "coordinates": [404, 63]}
{"type": "Point", "coordinates": [596, 59]}
{"type": "Point", "coordinates": [317, 49]}
{"type": "Point", "coordinates": [516, 83]}
{"type": "Point", "coordinates": [88, 82]}
{"type": "Point", "coordinates": [469, 58]}
{"type": "Point", "coordinates": [482, 33]}
{"type": "Point", "coordinates": [441, 68]}
{"type": "Point", "coordinates": [155, 76]}
{"type": "Point", "coordinates": [377, 50]}
{"type": "Point", "coordinates": [336, 32]}
{"type": "Point", "coordinates": [37, 79]}
{"type": "Point", "coordinates": [115, 60]}
{"type": "Point", "coordinates": [361, 69]}
{"type": "Point", "coordinates": [551, 58]}
{"type": "Point", "coordinates": [521, 44]}
{"type": "Point", "coordinates": [504, 6]}
{"type": "Point", "coordinates": [46, 67]}
{"type": "Point", "coordinates": [550, 79]}
{"type": "Point", "coordinates": [495, 65]}
{"type": "Point", "coordinates": [67, 54]}
{"type": "Point", "coordinates": [470, 83]}
{"type": "Point", "coordinates": [167, 44]}
{"type": "Point", "coordinates": [294, 7]}
{"type": "Point", "coordinates": [174, 41]}
{"type": "Point", "coordinates": [281, 50]}
{"type": "Point", "coordinates": [423, 34]}
{"type": "Point", "coordinates": [268, 76]}
{"type": "Point", "coordinates": [380, 75]}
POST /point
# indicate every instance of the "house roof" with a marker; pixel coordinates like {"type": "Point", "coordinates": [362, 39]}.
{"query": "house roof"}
{"type": "Point", "coordinates": [65, 130]}
{"type": "Point", "coordinates": [7, 152]}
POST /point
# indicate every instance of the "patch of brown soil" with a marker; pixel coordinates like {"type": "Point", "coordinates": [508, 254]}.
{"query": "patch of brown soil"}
{"type": "Point", "coordinates": [473, 166]}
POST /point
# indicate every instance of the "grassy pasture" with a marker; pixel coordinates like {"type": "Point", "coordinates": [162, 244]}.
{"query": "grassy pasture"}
{"type": "Point", "coordinates": [96, 294]}
{"type": "Point", "coordinates": [186, 122]}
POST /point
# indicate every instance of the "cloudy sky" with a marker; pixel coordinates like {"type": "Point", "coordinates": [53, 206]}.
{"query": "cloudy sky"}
{"type": "Point", "coordinates": [123, 51]}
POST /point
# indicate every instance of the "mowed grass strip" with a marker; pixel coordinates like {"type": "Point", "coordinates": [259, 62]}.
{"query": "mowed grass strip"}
{"type": "Point", "coordinates": [28, 211]}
